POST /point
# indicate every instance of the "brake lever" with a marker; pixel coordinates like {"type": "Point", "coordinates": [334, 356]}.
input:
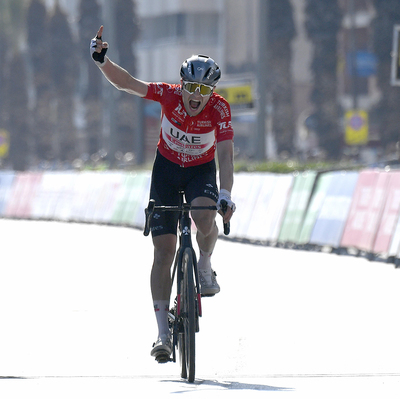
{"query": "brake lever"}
{"type": "Point", "coordinates": [227, 226]}
{"type": "Point", "coordinates": [148, 212]}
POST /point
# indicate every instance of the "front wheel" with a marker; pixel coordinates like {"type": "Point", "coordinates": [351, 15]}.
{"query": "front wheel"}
{"type": "Point", "coordinates": [187, 347]}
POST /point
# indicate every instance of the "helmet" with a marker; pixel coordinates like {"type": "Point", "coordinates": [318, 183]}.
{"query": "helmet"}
{"type": "Point", "coordinates": [201, 69]}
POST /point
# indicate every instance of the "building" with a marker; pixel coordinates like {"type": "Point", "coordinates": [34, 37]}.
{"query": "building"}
{"type": "Point", "coordinates": [226, 30]}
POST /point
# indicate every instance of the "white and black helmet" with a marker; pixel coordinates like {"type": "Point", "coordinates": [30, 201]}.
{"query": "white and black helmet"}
{"type": "Point", "coordinates": [200, 69]}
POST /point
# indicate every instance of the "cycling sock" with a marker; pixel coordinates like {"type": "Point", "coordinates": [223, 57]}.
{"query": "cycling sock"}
{"type": "Point", "coordinates": [204, 263]}
{"type": "Point", "coordinates": [161, 308]}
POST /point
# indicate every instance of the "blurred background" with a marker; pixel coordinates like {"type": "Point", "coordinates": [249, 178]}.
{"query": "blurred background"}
{"type": "Point", "coordinates": [307, 80]}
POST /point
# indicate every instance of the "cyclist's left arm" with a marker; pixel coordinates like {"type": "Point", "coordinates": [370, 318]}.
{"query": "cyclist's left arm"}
{"type": "Point", "coordinates": [225, 160]}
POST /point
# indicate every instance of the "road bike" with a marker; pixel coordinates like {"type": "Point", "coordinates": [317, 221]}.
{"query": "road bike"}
{"type": "Point", "coordinates": [183, 317]}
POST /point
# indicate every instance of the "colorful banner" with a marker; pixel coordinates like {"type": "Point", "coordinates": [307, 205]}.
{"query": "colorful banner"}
{"type": "Point", "coordinates": [337, 209]}
{"type": "Point", "coordinates": [332, 218]}
{"type": "Point", "coordinates": [297, 207]}
{"type": "Point", "coordinates": [6, 181]}
{"type": "Point", "coordinates": [389, 217]}
{"type": "Point", "coordinates": [317, 199]}
{"type": "Point", "coordinates": [366, 209]}
{"type": "Point", "coordinates": [22, 195]}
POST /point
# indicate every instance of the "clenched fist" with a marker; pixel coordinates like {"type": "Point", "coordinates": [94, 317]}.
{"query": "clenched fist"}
{"type": "Point", "coordinates": [98, 48]}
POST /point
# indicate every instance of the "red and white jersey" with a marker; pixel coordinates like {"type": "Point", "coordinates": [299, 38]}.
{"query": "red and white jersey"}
{"type": "Point", "coordinates": [190, 140]}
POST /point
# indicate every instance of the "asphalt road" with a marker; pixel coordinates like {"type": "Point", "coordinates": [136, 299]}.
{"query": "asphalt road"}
{"type": "Point", "coordinates": [77, 320]}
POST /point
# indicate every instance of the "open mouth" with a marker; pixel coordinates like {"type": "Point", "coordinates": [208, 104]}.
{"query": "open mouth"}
{"type": "Point", "coordinates": [194, 105]}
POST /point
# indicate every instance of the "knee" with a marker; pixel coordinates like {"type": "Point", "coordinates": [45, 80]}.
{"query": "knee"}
{"type": "Point", "coordinates": [205, 223]}
{"type": "Point", "coordinates": [164, 250]}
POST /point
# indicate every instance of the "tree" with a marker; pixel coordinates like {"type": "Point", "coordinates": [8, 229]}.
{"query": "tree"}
{"type": "Point", "coordinates": [386, 114]}
{"type": "Point", "coordinates": [91, 93]}
{"type": "Point", "coordinates": [39, 57]}
{"type": "Point", "coordinates": [323, 21]}
{"type": "Point", "coordinates": [16, 105]}
{"type": "Point", "coordinates": [11, 33]}
{"type": "Point", "coordinates": [280, 35]}
{"type": "Point", "coordinates": [126, 33]}
{"type": "Point", "coordinates": [64, 78]}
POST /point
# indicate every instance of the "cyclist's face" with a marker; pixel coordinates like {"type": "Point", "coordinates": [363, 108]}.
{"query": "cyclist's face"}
{"type": "Point", "coordinates": [194, 102]}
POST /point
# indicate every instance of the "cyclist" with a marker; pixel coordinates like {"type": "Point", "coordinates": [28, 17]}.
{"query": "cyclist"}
{"type": "Point", "coordinates": [195, 123]}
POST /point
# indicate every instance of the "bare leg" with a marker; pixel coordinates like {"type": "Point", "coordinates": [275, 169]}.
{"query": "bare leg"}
{"type": "Point", "coordinates": [164, 252]}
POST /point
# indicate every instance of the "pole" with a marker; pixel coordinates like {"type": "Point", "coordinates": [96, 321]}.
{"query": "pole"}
{"type": "Point", "coordinates": [354, 71]}
{"type": "Point", "coordinates": [139, 142]}
{"type": "Point", "coordinates": [109, 92]}
{"type": "Point", "coordinates": [262, 71]}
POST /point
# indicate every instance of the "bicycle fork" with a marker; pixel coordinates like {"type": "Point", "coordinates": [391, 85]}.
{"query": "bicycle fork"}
{"type": "Point", "coordinates": [197, 285]}
{"type": "Point", "coordinates": [186, 242]}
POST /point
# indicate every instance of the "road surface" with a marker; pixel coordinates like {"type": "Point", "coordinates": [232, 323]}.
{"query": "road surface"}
{"type": "Point", "coordinates": [77, 320]}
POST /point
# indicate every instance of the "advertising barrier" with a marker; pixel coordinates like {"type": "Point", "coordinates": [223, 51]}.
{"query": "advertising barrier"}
{"type": "Point", "coordinates": [22, 195]}
{"type": "Point", "coordinates": [83, 195]}
{"type": "Point", "coordinates": [106, 197]}
{"type": "Point", "coordinates": [6, 181]}
{"type": "Point", "coordinates": [270, 208]}
{"type": "Point", "coordinates": [143, 200]}
{"type": "Point", "coordinates": [332, 217]}
{"type": "Point", "coordinates": [389, 217]}
{"type": "Point", "coordinates": [246, 191]}
{"type": "Point", "coordinates": [63, 208]}
{"type": "Point", "coordinates": [130, 198]}
{"type": "Point", "coordinates": [394, 250]}
{"type": "Point", "coordinates": [337, 209]}
{"type": "Point", "coordinates": [49, 195]}
{"type": "Point", "coordinates": [297, 207]}
{"type": "Point", "coordinates": [322, 184]}
{"type": "Point", "coordinates": [366, 209]}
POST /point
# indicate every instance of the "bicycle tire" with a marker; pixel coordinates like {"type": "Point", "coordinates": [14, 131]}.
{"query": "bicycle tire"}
{"type": "Point", "coordinates": [188, 304]}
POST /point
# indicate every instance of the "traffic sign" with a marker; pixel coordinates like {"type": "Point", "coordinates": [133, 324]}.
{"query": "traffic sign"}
{"type": "Point", "coordinates": [356, 127]}
{"type": "Point", "coordinates": [4, 143]}
{"type": "Point", "coordinates": [239, 96]}
{"type": "Point", "coordinates": [395, 69]}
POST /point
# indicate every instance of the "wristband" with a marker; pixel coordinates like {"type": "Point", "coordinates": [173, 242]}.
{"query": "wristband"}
{"type": "Point", "coordinates": [225, 195]}
{"type": "Point", "coordinates": [98, 58]}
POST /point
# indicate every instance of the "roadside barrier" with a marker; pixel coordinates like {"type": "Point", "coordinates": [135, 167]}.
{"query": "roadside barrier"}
{"type": "Point", "coordinates": [6, 180]}
{"type": "Point", "coordinates": [332, 216]}
{"type": "Point", "coordinates": [346, 211]}
{"type": "Point", "coordinates": [366, 210]}
{"type": "Point", "coordinates": [297, 207]}
{"type": "Point", "coordinates": [389, 217]}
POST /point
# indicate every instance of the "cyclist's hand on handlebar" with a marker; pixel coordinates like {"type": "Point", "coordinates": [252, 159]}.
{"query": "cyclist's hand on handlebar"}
{"type": "Point", "coordinates": [98, 48]}
{"type": "Point", "coordinates": [225, 195]}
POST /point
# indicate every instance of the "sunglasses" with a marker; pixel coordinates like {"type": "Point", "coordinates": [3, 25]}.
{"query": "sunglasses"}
{"type": "Point", "coordinates": [191, 87]}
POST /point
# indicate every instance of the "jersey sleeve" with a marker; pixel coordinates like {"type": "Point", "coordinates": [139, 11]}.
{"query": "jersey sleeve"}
{"type": "Point", "coordinates": [224, 125]}
{"type": "Point", "coordinates": [156, 91]}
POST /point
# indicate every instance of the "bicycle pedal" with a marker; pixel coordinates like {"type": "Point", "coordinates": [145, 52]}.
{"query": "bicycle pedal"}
{"type": "Point", "coordinates": [163, 358]}
{"type": "Point", "coordinates": [207, 295]}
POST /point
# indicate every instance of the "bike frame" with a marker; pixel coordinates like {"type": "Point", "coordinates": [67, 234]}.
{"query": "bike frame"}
{"type": "Point", "coordinates": [185, 245]}
{"type": "Point", "coordinates": [185, 241]}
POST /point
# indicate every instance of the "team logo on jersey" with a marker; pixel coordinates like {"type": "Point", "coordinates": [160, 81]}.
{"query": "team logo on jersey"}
{"type": "Point", "coordinates": [159, 89]}
{"type": "Point", "coordinates": [206, 123]}
{"type": "Point", "coordinates": [175, 121]}
{"type": "Point", "coordinates": [186, 142]}
{"type": "Point", "coordinates": [225, 125]}
{"type": "Point", "coordinates": [180, 111]}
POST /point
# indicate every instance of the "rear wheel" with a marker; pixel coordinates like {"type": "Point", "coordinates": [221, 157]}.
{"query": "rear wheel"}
{"type": "Point", "coordinates": [187, 347]}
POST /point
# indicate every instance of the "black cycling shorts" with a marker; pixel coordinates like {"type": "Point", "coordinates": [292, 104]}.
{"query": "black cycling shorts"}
{"type": "Point", "coordinates": [168, 179]}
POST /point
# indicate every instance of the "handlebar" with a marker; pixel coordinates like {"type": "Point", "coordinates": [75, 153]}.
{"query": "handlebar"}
{"type": "Point", "coordinates": [151, 207]}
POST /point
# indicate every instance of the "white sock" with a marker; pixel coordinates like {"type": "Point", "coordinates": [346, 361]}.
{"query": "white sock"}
{"type": "Point", "coordinates": [161, 309]}
{"type": "Point", "coordinates": [204, 264]}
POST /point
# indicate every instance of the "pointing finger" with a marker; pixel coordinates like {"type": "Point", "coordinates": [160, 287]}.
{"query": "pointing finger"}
{"type": "Point", "coordinates": [100, 33]}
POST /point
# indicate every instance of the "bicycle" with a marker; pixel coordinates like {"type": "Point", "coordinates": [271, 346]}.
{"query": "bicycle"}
{"type": "Point", "coordinates": [183, 317]}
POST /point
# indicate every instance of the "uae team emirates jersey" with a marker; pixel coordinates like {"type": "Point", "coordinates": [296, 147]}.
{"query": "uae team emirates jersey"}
{"type": "Point", "coordinates": [190, 140]}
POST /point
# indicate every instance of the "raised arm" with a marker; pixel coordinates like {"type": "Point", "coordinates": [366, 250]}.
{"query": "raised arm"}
{"type": "Point", "coordinates": [117, 76]}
